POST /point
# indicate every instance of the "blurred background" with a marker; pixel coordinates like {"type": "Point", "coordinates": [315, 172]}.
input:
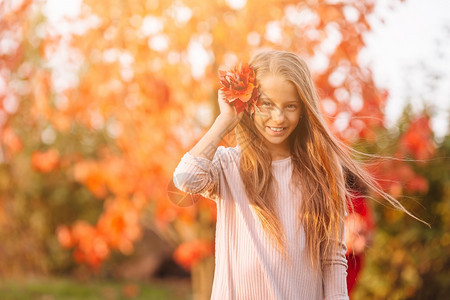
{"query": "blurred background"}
{"type": "Point", "coordinates": [99, 100]}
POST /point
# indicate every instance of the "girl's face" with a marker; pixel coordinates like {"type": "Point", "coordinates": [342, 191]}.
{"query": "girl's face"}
{"type": "Point", "coordinates": [279, 113]}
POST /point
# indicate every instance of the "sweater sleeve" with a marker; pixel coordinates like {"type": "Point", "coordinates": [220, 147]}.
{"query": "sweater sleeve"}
{"type": "Point", "coordinates": [199, 175]}
{"type": "Point", "coordinates": [335, 273]}
{"type": "Point", "coordinates": [335, 267]}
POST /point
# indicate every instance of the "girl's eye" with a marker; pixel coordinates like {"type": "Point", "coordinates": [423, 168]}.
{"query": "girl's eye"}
{"type": "Point", "coordinates": [267, 104]}
{"type": "Point", "coordinates": [292, 106]}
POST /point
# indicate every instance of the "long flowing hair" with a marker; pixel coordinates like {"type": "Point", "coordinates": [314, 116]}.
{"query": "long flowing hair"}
{"type": "Point", "coordinates": [321, 165]}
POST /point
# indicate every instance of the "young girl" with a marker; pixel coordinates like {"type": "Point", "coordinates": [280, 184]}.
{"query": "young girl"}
{"type": "Point", "coordinates": [280, 193]}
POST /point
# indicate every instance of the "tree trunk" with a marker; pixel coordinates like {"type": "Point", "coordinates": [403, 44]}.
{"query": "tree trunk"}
{"type": "Point", "coordinates": [202, 275]}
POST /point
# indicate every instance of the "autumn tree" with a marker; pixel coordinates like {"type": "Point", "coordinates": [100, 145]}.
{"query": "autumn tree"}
{"type": "Point", "coordinates": [113, 102]}
{"type": "Point", "coordinates": [407, 259]}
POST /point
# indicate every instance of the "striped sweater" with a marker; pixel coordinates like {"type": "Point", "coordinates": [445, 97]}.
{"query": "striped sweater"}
{"type": "Point", "coordinates": [247, 265]}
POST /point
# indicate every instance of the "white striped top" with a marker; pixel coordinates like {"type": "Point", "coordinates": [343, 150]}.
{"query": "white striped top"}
{"type": "Point", "coordinates": [247, 265]}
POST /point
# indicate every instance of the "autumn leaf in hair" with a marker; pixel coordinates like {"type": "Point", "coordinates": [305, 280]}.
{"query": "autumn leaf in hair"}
{"type": "Point", "coordinates": [239, 87]}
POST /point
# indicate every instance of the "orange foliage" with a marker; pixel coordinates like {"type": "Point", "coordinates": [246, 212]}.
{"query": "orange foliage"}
{"type": "Point", "coordinates": [41, 92]}
{"type": "Point", "coordinates": [140, 92]}
{"type": "Point", "coordinates": [11, 141]}
{"type": "Point", "coordinates": [191, 253]}
{"type": "Point", "coordinates": [118, 228]}
{"type": "Point", "coordinates": [396, 177]}
{"type": "Point", "coordinates": [46, 161]}
{"type": "Point", "coordinates": [120, 224]}
{"type": "Point", "coordinates": [91, 245]}
{"type": "Point", "coordinates": [418, 140]}
{"type": "Point", "coordinates": [136, 86]}
{"type": "Point", "coordinates": [64, 236]}
{"type": "Point", "coordinates": [90, 174]}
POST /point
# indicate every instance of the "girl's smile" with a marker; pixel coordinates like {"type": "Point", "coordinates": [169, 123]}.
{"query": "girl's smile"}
{"type": "Point", "coordinates": [276, 130]}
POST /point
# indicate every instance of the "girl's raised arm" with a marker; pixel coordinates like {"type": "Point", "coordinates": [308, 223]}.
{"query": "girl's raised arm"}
{"type": "Point", "coordinates": [197, 173]}
{"type": "Point", "coordinates": [224, 123]}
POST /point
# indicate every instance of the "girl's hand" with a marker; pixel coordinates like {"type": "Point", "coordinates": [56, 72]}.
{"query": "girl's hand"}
{"type": "Point", "coordinates": [228, 111]}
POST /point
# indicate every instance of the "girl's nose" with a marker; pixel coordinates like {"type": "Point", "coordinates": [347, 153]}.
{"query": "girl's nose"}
{"type": "Point", "coordinates": [277, 114]}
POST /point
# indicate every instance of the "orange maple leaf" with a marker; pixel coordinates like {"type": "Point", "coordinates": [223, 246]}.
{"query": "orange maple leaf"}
{"type": "Point", "coordinates": [240, 87]}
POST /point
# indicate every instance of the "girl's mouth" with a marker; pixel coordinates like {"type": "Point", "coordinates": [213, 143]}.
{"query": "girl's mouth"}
{"type": "Point", "coordinates": [276, 130]}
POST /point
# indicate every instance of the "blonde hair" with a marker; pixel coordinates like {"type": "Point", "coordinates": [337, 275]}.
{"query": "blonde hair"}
{"type": "Point", "coordinates": [321, 165]}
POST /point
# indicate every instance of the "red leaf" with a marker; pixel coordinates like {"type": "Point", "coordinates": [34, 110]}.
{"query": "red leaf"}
{"type": "Point", "coordinates": [239, 86]}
